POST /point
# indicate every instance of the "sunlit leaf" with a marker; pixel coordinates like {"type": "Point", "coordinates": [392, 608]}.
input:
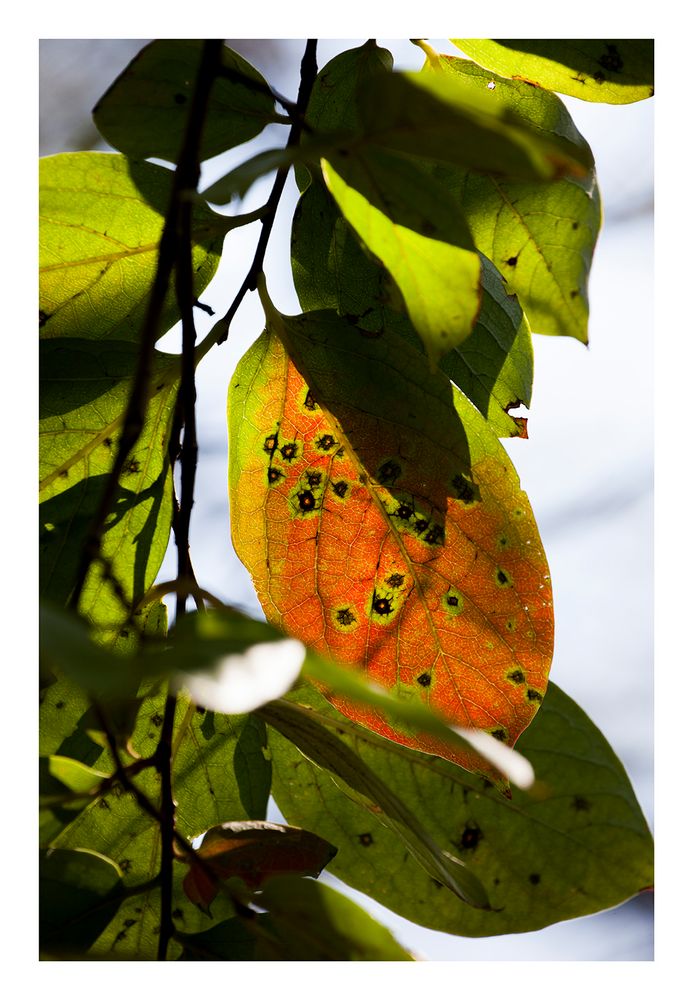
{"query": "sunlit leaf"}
{"type": "Point", "coordinates": [384, 525]}
{"type": "Point", "coordinates": [576, 844]}
{"type": "Point", "coordinates": [541, 237]}
{"type": "Point", "coordinates": [145, 111]}
{"type": "Point", "coordinates": [244, 681]}
{"type": "Point", "coordinates": [100, 222]}
{"type": "Point", "coordinates": [412, 716]}
{"type": "Point", "coordinates": [610, 71]}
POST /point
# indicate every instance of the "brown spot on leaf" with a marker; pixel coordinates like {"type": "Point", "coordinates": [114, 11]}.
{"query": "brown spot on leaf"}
{"type": "Point", "coordinates": [306, 500]}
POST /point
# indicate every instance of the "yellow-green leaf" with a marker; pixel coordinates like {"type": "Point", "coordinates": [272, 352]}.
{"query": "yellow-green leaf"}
{"type": "Point", "coordinates": [609, 71]}
{"type": "Point", "coordinates": [100, 222]}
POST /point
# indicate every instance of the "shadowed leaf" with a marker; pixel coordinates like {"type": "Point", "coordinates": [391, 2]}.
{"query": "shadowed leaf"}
{"type": "Point", "coordinates": [253, 852]}
{"type": "Point", "coordinates": [145, 111]}
{"type": "Point", "coordinates": [315, 923]}
{"type": "Point", "coordinates": [79, 894]}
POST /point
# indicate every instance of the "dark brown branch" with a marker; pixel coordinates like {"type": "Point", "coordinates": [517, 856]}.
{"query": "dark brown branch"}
{"type": "Point", "coordinates": [134, 417]}
{"type": "Point", "coordinates": [167, 825]}
{"type": "Point", "coordinates": [309, 71]}
{"type": "Point", "coordinates": [185, 185]}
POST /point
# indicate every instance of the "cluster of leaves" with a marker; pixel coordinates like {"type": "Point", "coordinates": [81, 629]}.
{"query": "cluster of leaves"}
{"type": "Point", "coordinates": [443, 217]}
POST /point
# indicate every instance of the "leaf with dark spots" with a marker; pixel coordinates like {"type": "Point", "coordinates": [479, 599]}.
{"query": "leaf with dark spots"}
{"type": "Point", "coordinates": [588, 859]}
{"type": "Point", "coordinates": [406, 434]}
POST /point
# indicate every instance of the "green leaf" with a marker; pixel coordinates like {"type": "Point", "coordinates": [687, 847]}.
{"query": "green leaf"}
{"type": "Point", "coordinates": [208, 793]}
{"type": "Point", "coordinates": [218, 761]}
{"type": "Point", "coordinates": [79, 892]}
{"type": "Point", "coordinates": [314, 922]}
{"type": "Point", "coordinates": [332, 106]}
{"type": "Point", "coordinates": [145, 111]}
{"type": "Point", "coordinates": [439, 281]}
{"type": "Point", "coordinates": [493, 366]}
{"type": "Point", "coordinates": [437, 117]}
{"type": "Point", "coordinates": [316, 742]}
{"type": "Point", "coordinates": [541, 237]}
{"type": "Point", "coordinates": [252, 767]}
{"type": "Point", "coordinates": [84, 390]}
{"type": "Point", "coordinates": [237, 182]}
{"type": "Point", "coordinates": [101, 218]}
{"type": "Point", "coordinates": [576, 844]}
{"type": "Point", "coordinates": [612, 72]}
{"type": "Point", "coordinates": [228, 941]}
{"type": "Point", "coordinates": [66, 645]}
{"type": "Point", "coordinates": [65, 787]}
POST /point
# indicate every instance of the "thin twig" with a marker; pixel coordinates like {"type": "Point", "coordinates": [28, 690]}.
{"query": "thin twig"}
{"type": "Point", "coordinates": [309, 71]}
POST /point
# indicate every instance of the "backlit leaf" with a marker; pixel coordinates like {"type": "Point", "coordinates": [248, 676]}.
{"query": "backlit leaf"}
{"type": "Point", "coordinates": [145, 111]}
{"type": "Point", "coordinates": [575, 844]}
{"type": "Point", "coordinates": [610, 71]}
{"type": "Point", "coordinates": [384, 525]}
{"type": "Point", "coordinates": [85, 387]}
{"type": "Point", "coordinates": [413, 716]}
{"type": "Point", "coordinates": [541, 237]}
{"type": "Point", "coordinates": [100, 222]}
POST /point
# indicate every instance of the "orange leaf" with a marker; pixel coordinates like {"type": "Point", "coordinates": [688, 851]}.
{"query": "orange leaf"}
{"type": "Point", "coordinates": [384, 524]}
